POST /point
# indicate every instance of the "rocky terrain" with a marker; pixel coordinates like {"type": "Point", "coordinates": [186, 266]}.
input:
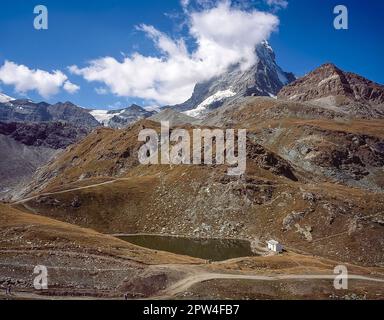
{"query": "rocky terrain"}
{"type": "Point", "coordinates": [27, 111]}
{"type": "Point", "coordinates": [330, 87]}
{"type": "Point", "coordinates": [333, 144]}
{"type": "Point", "coordinates": [84, 264]}
{"type": "Point", "coordinates": [28, 146]}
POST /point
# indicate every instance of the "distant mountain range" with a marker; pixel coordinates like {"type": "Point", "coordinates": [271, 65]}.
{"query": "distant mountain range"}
{"type": "Point", "coordinates": [327, 86]}
{"type": "Point", "coordinates": [121, 118]}
{"type": "Point", "coordinates": [31, 112]}
{"type": "Point", "coordinates": [23, 110]}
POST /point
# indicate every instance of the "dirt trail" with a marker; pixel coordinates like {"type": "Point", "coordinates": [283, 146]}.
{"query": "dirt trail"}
{"type": "Point", "coordinates": [195, 275]}
{"type": "Point", "coordinates": [22, 201]}
{"type": "Point", "coordinates": [67, 191]}
{"type": "Point", "coordinates": [188, 282]}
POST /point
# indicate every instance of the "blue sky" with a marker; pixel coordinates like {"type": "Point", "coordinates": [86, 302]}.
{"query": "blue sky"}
{"type": "Point", "coordinates": [81, 31]}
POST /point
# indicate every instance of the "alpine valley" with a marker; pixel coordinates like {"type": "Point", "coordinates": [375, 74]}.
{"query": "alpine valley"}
{"type": "Point", "coordinates": [72, 187]}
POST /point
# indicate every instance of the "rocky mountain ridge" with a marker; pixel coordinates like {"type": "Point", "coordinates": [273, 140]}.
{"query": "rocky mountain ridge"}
{"type": "Point", "coordinates": [121, 118]}
{"type": "Point", "coordinates": [329, 80]}
{"type": "Point", "coordinates": [27, 111]}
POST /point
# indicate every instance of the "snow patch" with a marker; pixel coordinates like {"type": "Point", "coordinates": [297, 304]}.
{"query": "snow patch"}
{"type": "Point", "coordinates": [4, 98]}
{"type": "Point", "coordinates": [266, 44]}
{"type": "Point", "coordinates": [218, 96]}
{"type": "Point", "coordinates": [103, 116]}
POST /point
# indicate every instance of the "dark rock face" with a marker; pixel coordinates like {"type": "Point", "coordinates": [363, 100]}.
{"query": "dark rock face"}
{"type": "Point", "coordinates": [19, 164]}
{"type": "Point", "coordinates": [28, 111]}
{"type": "Point", "coordinates": [24, 111]}
{"type": "Point", "coordinates": [351, 159]}
{"type": "Point", "coordinates": [365, 89]}
{"type": "Point", "coordinates": [328, 80]}
{"type": "Point", "coordinates": [270, 161]}
{"type": "Point", "coordinates": [28, 146]}
{"type": "Point", "coordinates": [354, 158]}
{"type": "Point", "coordinates": [70, 113]}
{"type": "Point", "coordinates": [265, 78]}
{"type": "Point", "coordinates": [54, 135]}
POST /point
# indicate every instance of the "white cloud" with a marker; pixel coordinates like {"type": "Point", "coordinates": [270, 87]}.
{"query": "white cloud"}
{"type": "Point", "coordinates": [277, 4]}
{"type": "Point", "coordinates": [224, 35]}
{"type": "Point", "coordinates": [184, 3]}
{"type": "Point", "coordinates": [71, 87]}
{"type": "Point", "coordinates": [25, 79]}
{"type": "Point", "coordinates": [101, 91]}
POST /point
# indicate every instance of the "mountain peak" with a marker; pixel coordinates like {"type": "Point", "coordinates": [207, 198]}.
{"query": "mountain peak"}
{"type": "Point", "coordinates": [265, 51]}
{"type": "Point", "coordinates": [329, 80]}
{"type": "Point", "coordinates": [267, 46]}
{"type": "Point", "coordinates": [66, 103]}
{"type": "Point", "coordinates": [328, 65]}
{"type": "Point", "coordinates": [135, 107]}
{"type": "Point", "coordinates": [264, 78]}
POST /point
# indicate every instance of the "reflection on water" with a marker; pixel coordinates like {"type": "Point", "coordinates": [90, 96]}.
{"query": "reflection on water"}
{"type": "Point", "coordinates": [210, 249]}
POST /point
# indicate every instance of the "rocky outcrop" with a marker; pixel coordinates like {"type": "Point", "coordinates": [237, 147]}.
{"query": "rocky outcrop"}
{"type": "Point", "coordinates": [54, 135]}
{"type": "Point", "coordinates": [329, 80]}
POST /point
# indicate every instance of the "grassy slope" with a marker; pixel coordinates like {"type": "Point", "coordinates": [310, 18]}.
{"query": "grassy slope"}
{"type": "Point", "coordinates": [24, 231]}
